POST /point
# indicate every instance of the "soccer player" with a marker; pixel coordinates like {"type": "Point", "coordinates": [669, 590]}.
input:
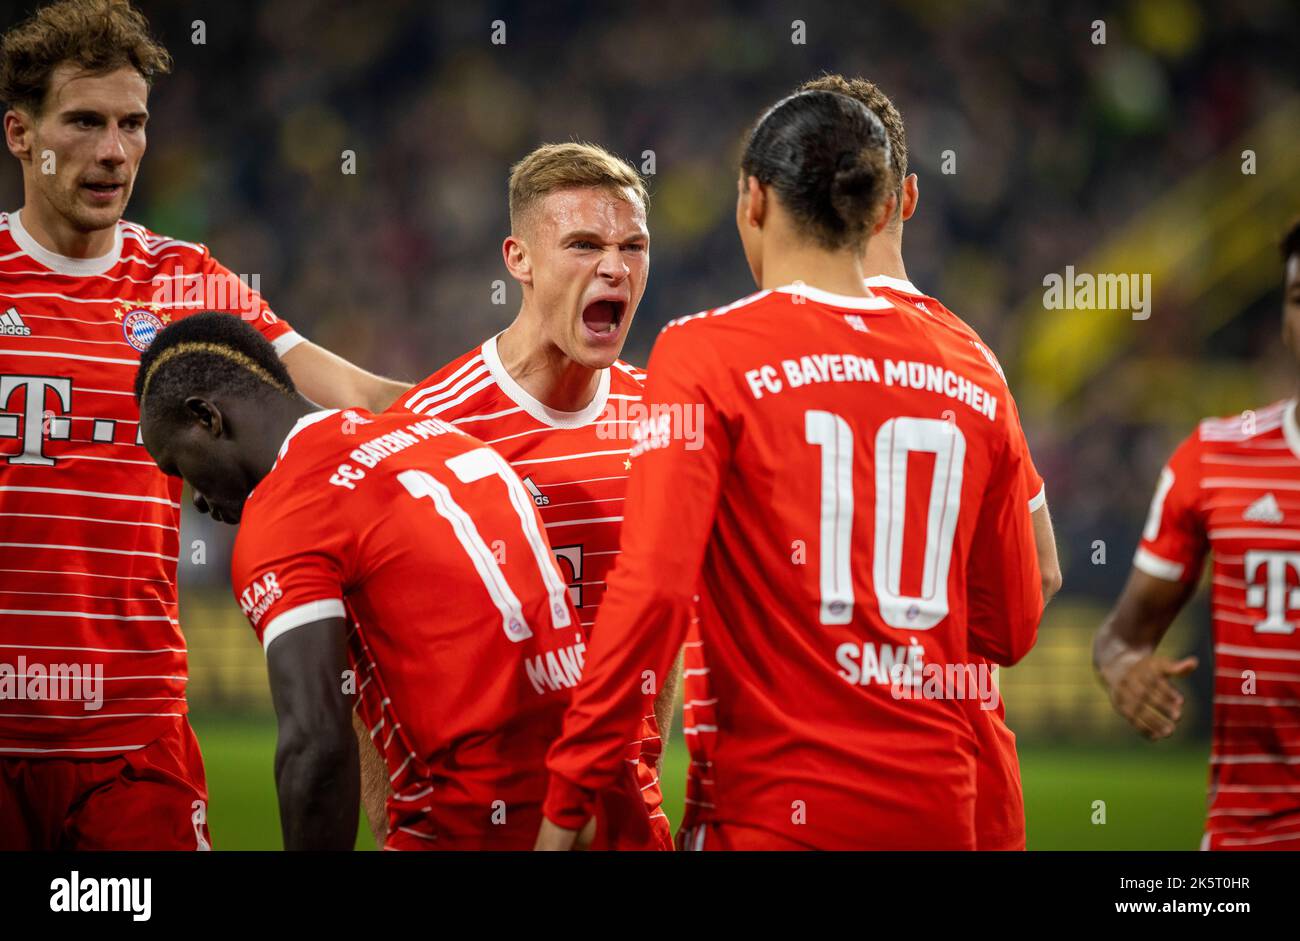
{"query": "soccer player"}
{"type": "Point", "coordinates": [1231, 490]}
{"type": "Point", "coordinates": [104, 758]}
{"type": "Point", "coordinates": [551, 395]}
{"type": "Point", "coordinates": [1000, 806]}
{"type": "Point", "coordinates": [393, 556]}
{"type": "Point", "coordinates": [854, 518]}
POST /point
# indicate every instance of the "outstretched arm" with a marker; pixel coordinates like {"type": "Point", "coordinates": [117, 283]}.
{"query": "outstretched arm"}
{"type": "Point", "coordinates": [332, 381]}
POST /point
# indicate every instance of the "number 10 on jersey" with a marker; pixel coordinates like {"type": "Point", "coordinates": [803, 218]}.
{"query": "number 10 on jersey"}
{"type": "Point", "coordinates": [896, 439]}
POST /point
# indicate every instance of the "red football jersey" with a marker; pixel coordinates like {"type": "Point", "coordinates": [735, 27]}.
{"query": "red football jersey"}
{"type": "Point", "coordinates": [465, 643]}
{"type": "Point", "coordinates": [1000, 804]}
{"type": "Point", "coordinates": [1000, 819]}
{"type": "Point", "coordinates": [91, 528]}
{"type": "Point", "coordinates": [854, 514]}
{"type": "Point", "coordinates": [1232, 489]}
{"type": "Point", "coordinates": [575, 467]}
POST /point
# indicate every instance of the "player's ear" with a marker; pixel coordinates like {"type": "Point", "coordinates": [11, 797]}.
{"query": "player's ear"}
{"type": "Point", "coordinates": [755, 203]}
{"type": "Point", "coordinates": [911, 193]}
{"type": "Point", "coordinates": [18, 127]}
{"type": "Point", "coordinates": [205, 414]}
{"type": "Point", "coordinates": [515, 253]}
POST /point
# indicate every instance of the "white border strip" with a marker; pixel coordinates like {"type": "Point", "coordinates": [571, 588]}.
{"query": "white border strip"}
{"type": "Point", "coordinates": [1156, 567]}
{"type": "Point", "coordinates": [303, 614]}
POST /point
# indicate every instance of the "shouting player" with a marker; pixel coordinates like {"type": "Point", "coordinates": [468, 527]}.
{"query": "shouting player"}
{"type": "Point", "coordinates": [1230, 490]}
{"type": "Point", "coordinates": [393, 556]}
{"type": "Point", "coordinates": [838, 618]}
{"type": "Point", "coordinates": [104, 758]}
{"type": "Point", "coordinates": [1000, 808]}
{"type": "Point", "coordinates": [551, 395]}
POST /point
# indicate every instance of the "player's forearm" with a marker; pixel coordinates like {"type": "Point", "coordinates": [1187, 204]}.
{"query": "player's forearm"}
{"type": "Point", "coordinates": [1135, 627]}
{"type": "Point", "coordinates": [333, 382]}
{"type": "Point", "coordinates": [665, 703]}
{"type": "Point", "coordinates": [1049, 565]}
{"type": "Point", "coordinates": [375, 786]}
{"type": "Point", "coordinates": [1116, 647]}
{"type": "Point", "coordinates": [317, 779]}
{"type": "Point", "coordinates": [380, 393]}
{"type": "Point", "coordinates": [622, 676]}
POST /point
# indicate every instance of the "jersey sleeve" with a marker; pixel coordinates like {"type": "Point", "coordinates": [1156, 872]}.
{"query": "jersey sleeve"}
{"type": "Point", "coordinates": [646, 611]}
{"type": "Point", "coordinates": [1004, 584]}
{"type": "Point", "coordinates": [288, 570]}
{"type": "Point", "coordinates": [1034, 484]}
{"type": "Point", "coordinates": [1174, 542]}
{"type": "Point", "coordinates": [244, 302]}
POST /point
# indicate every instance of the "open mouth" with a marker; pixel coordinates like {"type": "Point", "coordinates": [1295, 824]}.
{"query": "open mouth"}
{"type": "Point", "coordinates": [602, 318]}
{"type": "Point", "coordinates": [103, 190]}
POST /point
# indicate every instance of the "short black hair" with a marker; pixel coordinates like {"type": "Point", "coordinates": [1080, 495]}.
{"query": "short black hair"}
{"type": "Point", "coordinates": [827, 157]}
{"type": "Point", "coordinates": [203, 354]}
{"type": "Point", "coordinates": [1290, 244]}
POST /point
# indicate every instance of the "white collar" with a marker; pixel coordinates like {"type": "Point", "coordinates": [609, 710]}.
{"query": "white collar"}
{"type": "Point", "coordinates": [898, 284]}
{"type": "Point", "coordinates": [539, 410]}
{"type": "Point", "coordinates": [307, 420]}
{"type": "Point", "coordinates": [1290, 430]}
{"type": "Point", "coordinates": [77, 267]}
{"type": "Point", "coordinates": [835, 300]}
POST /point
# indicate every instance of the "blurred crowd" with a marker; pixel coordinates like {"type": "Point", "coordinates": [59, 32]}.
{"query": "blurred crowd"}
{"type": "Point", "coordinates": [1058, 140]}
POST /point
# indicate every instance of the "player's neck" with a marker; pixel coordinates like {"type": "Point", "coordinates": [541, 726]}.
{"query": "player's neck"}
{"type": "Point", "coordinates": [54, 233]}
{"type": "Point", "coordinates": [794, 262]}
{"type": "Point", "coordinates": [274, 418]}
{"type": "Point", "coordinates": [884, 256]}
{"type": "Point", "coordinates": [543, 370]}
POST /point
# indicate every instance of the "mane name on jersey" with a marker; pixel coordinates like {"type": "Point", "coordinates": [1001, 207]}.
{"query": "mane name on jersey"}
{"type": "Point", "coordinates": [846, 367]}
{"type": "Point", "coordinates": [556, 669]}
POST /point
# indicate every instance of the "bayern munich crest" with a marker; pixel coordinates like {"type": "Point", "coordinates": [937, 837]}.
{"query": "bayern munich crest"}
{"type": "Point", "coordinates": [140, 325]}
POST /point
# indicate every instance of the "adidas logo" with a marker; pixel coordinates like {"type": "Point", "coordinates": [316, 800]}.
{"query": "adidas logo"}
{"type": "Point", "coordinates": [1263, 510]}
{"type": "Point", "coordinates": [11, 324]}
{"type": "Point", "coordinates": [539, 498]}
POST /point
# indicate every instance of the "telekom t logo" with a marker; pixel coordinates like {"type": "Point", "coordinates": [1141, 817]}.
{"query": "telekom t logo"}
{"type": "Point", "coordinates": [1272, 593]}
{"type": "Point", "coordinates": [33, 423]}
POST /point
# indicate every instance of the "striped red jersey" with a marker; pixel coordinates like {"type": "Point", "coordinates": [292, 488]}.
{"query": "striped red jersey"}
{"type": "Point", "coordinates": [1232, 490]}
{"type": "Point", "coordinates": [465, 642]}
{"type": "Point", "coordinates": [852, 513]}
{"type": "Point", "coordinates": [575, 467]}
{"type": "Point", "coordinates": [92, 659]}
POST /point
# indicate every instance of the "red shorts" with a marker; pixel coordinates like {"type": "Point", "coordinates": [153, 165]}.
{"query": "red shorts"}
{"type": "Point", "coordinates": [153, 798]}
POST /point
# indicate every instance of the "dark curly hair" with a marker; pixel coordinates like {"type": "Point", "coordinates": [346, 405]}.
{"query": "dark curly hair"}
{"type": "Point", "coordinates": [203, 354]}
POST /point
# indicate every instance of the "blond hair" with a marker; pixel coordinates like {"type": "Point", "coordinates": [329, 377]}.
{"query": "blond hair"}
{"type": "Point", "coordinates": [553, 167]}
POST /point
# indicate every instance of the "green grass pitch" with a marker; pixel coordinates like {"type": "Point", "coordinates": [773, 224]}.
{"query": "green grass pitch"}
{"type": "Point", "coordinates": [1154, 795]}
